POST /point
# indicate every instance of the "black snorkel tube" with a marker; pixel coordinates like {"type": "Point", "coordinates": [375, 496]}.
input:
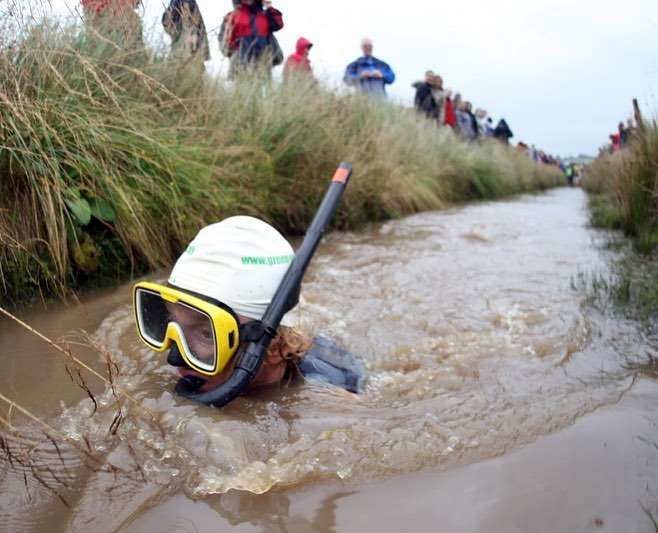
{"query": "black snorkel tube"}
{"type": "Point", "coordinates": [253, 356]}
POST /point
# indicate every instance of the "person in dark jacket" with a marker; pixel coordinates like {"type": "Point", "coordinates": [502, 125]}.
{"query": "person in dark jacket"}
{"type": "Point", "coordinates": [424, 100]}
{"type": "Point", "coordinates": [247, 36]}
{"type": "Point", "coordinates": [298, 64]}
{"type": "Point", "coordinates": [624, 134]}
{"type": "Point", "coordinates": [502, 132]}
{"type": "Point", "coordinates": [183, 22]}
{"type": "Point", "coordinates": [369, 74]}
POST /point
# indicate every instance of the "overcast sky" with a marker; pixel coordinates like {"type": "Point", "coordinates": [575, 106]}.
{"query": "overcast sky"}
{"type": "Point", "coordinates": [562, 72]}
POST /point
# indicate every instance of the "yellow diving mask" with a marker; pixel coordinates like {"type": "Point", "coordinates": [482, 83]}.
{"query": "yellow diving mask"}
{"type": "Point", "coordinates": [206, 332]}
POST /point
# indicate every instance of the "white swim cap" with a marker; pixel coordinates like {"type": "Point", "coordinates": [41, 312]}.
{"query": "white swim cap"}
{"type": "Point", "coordinates": [239, 261]}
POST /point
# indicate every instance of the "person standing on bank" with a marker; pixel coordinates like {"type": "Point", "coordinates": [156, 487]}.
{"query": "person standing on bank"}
{"type": "Point", "coordinates": [247, 36]}
{"type": "Point", "coordinates": [298, 64]}
{"type": "Point", "coordinates": [369, 74]}
{"type": "Point", "coordinates": [424, 100]}
{"type": "Point", "coordinates": [502, 132]}
{"type": "Point", "coordinates": [439, 95]}
{"type": "Point", "coordinates": [449, 112]}
{"type": "Point", "coordinates": [183, 22]}
{"type": "Point", "coordinates": [464, 123]}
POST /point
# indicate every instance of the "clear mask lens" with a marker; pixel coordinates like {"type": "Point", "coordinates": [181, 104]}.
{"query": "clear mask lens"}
{"type": "Point", "coordinates": [152, 316]}
{"type": "Point", "coordinates": [193, 328]}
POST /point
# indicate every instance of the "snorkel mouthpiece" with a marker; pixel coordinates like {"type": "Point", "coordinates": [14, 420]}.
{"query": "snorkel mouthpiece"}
{"type": "Point", "coordinates": [251, 359]}
{"type": "Point", "coordinates": [189, 385]}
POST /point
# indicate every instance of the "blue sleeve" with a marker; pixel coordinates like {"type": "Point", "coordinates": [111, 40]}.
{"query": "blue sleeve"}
{"type": "Point", "coordinates": [352, 73]}
{"type": "Point", "coordinates": [327, 362]}
{"type": "Point", "coordinates": [389, 75]}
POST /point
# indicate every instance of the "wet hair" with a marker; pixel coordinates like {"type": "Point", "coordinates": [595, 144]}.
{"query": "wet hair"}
{"type": "Point", "coordinates": [290, 345]}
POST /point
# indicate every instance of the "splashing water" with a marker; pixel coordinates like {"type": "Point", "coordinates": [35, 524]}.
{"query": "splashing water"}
{"type": "Point", "coordinates": [474, 338]}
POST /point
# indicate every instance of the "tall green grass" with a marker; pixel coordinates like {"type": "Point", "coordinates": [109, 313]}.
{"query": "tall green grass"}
{"type": "Point", "coordinates": [623, 191]}
{"type": "Point", "coordinates": [112, 159]}
{"type": "Point", "coordinates": [625, 185]}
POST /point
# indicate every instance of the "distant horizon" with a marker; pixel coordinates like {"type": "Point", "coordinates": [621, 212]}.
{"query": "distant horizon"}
{"type": "Point", "coordinates": [562, 83]}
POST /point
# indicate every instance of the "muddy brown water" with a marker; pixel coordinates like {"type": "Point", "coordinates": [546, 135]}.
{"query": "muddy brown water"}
{"type": "Point", "coordinates": [499, 398]}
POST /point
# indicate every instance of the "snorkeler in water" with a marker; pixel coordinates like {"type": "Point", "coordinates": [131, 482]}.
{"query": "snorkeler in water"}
{"type": "Point", "coordinates": [215, 304]}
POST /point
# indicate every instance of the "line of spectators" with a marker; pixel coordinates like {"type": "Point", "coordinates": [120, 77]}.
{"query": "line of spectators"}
{"type": "Point", "coordinates": [538, 156]}
{"type": "Point", "coordinates": [619, 139]}
{"type": "Point", "coordinates": [246, 35]}
{"type": "Point", "coordinates": [247, 38]}
{"type": "Point", "coordinates": [453, 113]}
{"type": "Point", "coordinates": [456, 114]}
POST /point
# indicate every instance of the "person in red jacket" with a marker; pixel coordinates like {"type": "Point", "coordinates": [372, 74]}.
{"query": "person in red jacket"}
{"type": "Point", "coordinates": [299, 63]}
{"type": "Point", "coordinates": [449, 112]}
{"type": "Point", "coordinates": [247, 35]}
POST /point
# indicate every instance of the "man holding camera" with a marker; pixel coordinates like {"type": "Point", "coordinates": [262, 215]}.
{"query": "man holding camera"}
{"type": "Point", "coordinates": [369, 74]}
